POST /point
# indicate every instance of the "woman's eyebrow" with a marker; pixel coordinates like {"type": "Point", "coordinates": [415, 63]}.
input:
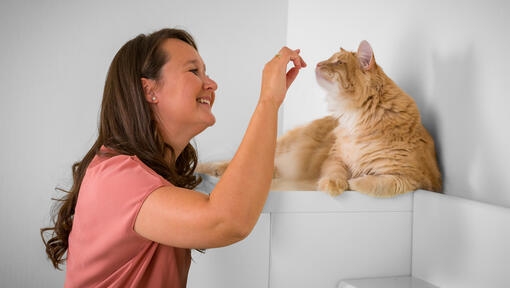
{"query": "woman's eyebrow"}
{"type": "Point", "coordinates": [194, 62]}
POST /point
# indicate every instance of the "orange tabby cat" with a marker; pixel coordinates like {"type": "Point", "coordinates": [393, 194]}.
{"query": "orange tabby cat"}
{"type": "Point", "coordinates": [373, 142]}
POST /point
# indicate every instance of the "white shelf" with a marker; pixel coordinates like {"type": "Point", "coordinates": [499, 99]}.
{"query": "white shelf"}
{"type": "Point", "coordinates": [386, 282]}
{"type": "Point", "coordinates": [321, 202]}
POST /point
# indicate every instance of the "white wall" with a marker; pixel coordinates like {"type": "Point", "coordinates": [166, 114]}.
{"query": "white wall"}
{"type": "Point", "coordinates": [449, 55]}
{"type": "Point", "coordinates": [55, 55]}
{"type": "Point", "coordinates": [469, 247]}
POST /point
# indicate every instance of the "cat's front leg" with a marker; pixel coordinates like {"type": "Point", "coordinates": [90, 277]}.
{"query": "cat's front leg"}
{"type": "Point", "coordinates": [212, 168]}
{"type": "Point", "coordinates": [334, 175]}
{"type": "Point", "coordinates": [382, 185]}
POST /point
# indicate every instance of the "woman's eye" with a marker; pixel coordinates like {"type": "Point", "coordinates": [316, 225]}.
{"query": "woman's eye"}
{"type": "Point", "coordinates": [194, 71]}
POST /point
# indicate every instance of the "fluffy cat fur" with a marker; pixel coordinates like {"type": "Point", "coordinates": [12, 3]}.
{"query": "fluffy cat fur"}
{"type": "Point", "coordinates": [372, 142]}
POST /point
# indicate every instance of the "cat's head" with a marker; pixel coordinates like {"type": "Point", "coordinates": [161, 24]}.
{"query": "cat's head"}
{"type": "Point", "coordinates": [346, 74]}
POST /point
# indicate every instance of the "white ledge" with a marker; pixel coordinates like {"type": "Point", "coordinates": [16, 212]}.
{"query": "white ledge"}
{"type": "Point", "coordinates": [321, 202]}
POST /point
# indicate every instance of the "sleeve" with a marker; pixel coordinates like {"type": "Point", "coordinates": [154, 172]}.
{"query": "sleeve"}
{"type": "Point", "coordinates": [114, 191]}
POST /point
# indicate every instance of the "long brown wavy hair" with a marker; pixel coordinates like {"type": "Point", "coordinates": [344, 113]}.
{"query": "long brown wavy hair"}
{"type": "Point", "coordinates": [127, 125]}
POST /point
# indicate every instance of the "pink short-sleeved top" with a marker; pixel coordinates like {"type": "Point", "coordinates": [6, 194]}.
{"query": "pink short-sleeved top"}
{"type": "Point", "coordinates": [104, 250]}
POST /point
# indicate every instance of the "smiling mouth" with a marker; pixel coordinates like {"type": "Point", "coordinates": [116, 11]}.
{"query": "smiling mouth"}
{"type": "Point", "coordinates": [204, 101]}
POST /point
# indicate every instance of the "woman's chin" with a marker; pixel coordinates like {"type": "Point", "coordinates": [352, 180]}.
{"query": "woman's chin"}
{"type": "Point", "coordinates": [210, 121]}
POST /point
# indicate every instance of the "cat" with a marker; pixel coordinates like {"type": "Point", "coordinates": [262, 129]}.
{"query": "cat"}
{"type": "Point", "coordinates": [372, 142]}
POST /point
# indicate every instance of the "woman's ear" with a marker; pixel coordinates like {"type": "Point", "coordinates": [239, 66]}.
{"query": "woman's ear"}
{"type": "Point", "coordinates": [149, 87]}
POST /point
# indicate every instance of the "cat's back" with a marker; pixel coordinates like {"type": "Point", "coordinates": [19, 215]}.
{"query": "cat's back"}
{"type": "Point", "coordinates": [301, 151]}
{"type": "Point", "coordinates": [316, 133]}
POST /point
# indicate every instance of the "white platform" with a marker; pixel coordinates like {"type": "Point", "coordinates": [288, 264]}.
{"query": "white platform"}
{"type": "Point", "coordinates": [460, 243]}
{"type": "Point", "coordinates": [386, 282]}
{"type": "Point", "coordinates": [309, 239]}
{"type": "Point", "coordinates": [316, 240]}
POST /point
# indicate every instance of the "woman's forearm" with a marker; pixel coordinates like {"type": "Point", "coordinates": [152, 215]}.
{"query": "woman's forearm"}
{"type": "Point", "coordinates": [244, 186]}
{"type": "Point", "coordinates": [242, 190]}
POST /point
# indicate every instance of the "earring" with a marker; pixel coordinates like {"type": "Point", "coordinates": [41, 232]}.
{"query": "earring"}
{"type": "Point", "coordinates": [154, 98]}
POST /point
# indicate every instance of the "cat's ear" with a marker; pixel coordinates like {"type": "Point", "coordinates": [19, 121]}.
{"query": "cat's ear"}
{"type": "Point", "coordinates": [366, 55]}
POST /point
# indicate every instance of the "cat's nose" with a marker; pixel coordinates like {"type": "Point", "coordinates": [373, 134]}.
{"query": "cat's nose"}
{"type": "Point", "coordinates": [320, 65]}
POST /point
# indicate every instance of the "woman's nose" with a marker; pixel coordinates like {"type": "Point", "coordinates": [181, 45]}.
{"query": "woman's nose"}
{"type": "Point", "coordinates": [210, 84]}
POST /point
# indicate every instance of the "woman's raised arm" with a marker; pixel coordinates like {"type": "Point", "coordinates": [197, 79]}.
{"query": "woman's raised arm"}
{"type": "Point", "coordinates": [183, 218]}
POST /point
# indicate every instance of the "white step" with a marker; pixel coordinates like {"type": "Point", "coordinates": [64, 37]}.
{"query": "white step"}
{"type": "Point", "coordinates": [386, 282]}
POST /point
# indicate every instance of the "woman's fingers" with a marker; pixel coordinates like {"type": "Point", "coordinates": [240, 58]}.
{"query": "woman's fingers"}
{"type": "Point", "coordinates": [276, 78]}
{"type": "Point", "coordinates": [286, 56]}
{"type": "Point", "coordinates": [296, 59]}
{"type": "Point", "coordinates": [291, 75]}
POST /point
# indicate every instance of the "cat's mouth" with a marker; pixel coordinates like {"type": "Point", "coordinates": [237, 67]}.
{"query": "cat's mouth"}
{"type": "Point", "coordinates": [322, 75]}
{"type": "Point", "coordinates": [323, 78]}
{"type": "Point", "coordinates": [322, 72]}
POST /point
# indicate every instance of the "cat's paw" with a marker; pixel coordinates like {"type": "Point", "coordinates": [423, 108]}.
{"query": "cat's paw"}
{"type": "Point", "coordinates": [212, 168]}
{"type": "Point", "coordinates": [334, 187]}
{"type": "Point", "coordinates": [364, 185]}
{"type": "Point", "coordinates": [380, 185]}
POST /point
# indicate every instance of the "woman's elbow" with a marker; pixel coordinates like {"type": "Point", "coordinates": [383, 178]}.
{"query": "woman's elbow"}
{"type": "Point", "coordinates": [235, 230]}
{"type": "Point", "coordinates": [239, 231]}
{"type": "Point", "coordinates": [243, 231]}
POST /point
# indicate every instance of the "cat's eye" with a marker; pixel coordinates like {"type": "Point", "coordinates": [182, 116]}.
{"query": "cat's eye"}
{"type": "Point", "coordinates": [339, 62]}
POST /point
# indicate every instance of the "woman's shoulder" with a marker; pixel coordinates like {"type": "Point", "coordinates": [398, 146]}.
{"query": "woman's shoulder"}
{"type": "Point", "coordinates": [128, 168]}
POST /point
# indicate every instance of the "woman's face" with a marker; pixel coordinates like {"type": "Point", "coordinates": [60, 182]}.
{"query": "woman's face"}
{"type": "Point", "coordinates": [184, 94]}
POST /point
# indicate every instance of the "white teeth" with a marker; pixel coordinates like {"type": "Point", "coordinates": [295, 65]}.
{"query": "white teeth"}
{"type": "Point", "coordinates": [204, 101]}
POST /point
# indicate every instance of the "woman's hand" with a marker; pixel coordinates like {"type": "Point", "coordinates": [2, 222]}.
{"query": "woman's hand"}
{"type": "Point", "coordinates": [276, 79]}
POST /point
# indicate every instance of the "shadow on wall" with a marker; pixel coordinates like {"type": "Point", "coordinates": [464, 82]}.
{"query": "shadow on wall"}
{"type": "Point", "coordinates": [456, 119]}
{"type": "Point", "coordinates": [450, 108]}
{"type": "Point", "coordinates": [411, 79]}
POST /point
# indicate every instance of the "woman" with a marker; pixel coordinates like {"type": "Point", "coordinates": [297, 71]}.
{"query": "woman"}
{"type": "Point", "coordinates": [131, 218]}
